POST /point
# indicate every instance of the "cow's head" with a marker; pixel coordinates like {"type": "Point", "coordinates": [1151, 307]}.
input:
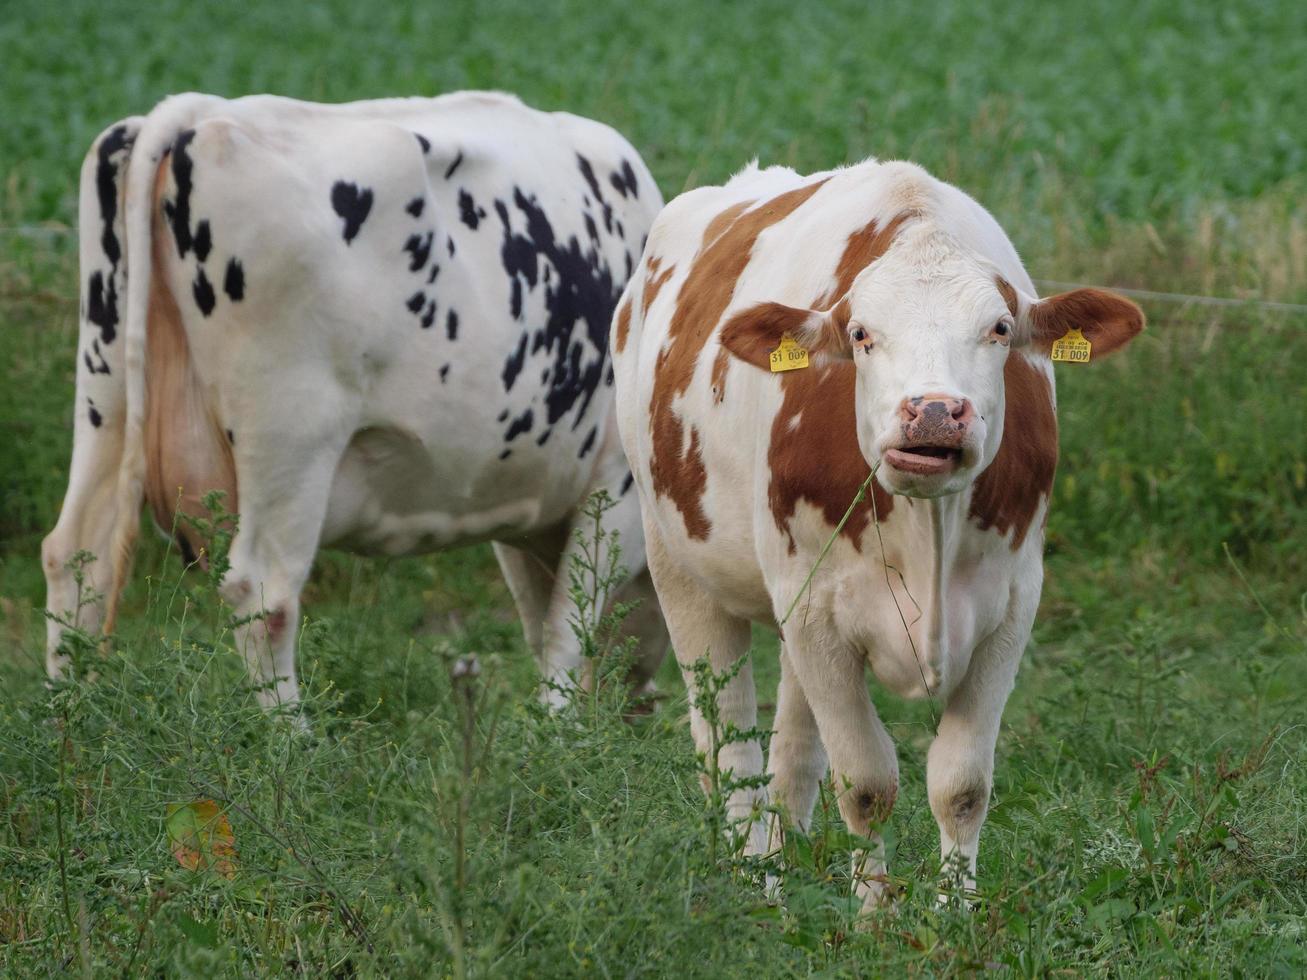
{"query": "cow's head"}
{"type": "Point", "coordinates": [928, 327]}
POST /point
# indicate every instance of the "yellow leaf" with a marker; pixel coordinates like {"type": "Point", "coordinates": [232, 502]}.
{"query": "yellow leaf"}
{"type": "Point", "coordinates": [201, 837]}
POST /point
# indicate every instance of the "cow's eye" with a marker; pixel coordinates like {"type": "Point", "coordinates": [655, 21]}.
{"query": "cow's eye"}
{"type": "Point", "coordinates": [1001, 332]}
{"type": "Point", "coordinates": [1000, 328]}
{"type": "Point", "coordinates": [858, 335]}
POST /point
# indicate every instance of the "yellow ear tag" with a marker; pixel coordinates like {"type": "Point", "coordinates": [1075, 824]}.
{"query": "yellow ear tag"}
{"type": "Point", "coordinates": [789, 356]}
{"type": "Point", "coordinates": [1071, 346]}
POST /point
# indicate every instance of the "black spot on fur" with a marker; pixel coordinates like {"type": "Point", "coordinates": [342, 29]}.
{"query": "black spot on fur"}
{"type": "Point", "coordinates": [429, 317]}
{"type": "Point", "coordinates": [468, 212]}
{"type": "Point", "coordinates": [588, 173]}
{"type": "Point", "coordinates": [419, 247]}
{"type": "Point", "coordinates": [630, 265]}
{"type": "Point", "coordinates": [589, 442]}
{"type": "Point", "coordinates": [106, 188]}
{"type": "Point", "coordinates": [520, 424]}
{"type": "Point", "coordinates": [431, 277]}
{"type": "Point", "coordinates": [102, 305]}
{"type": "Point", "coordinates": [444, 370]}
{"type": "Point", "coordinates": [91, 366]}
{"type": "Point", "coordinates": [203, 241]}
{"type": "Point", "coordinates": [449, 171]}
{"type": "Point", "coordinates": [629, 176]}
{"type": "Point", "coordinates": [591, 228]}
{"type": "Point", "coordinates": [416, 301]}
{"type": "Point", "coordinates": [231, 438]}
{"type": "Point", "coordinates": [93, 414]}
{"type": "Point", "coordinates": [506, 453]}
{"type": "Point", "coordinates": [502, 415]}
{"type": "Point", "coordinates": [178, 211]}
{"type": "Point", "coordinates": [451, 325]}
{"type": "Point", "coordinates": [203, 291]}
{"type": "Point", "coordinates": [581, 297]}
{"type": "Point", "coordinates": [513, 365]}
{"type": "Point", "coordinates": [233, 282]}
{"type": "Point", "coordinates": [544, 437]}
{"type": "Point", "coordinates": [618, 184]}
{"type": "Point", "coordinates": [415, 206]}
{"type": "Point", "coordinates": [188, 553]}
{"type": "Point", "coordinates": [450, 245]}
{"type": "Point", "coordinates": [352, 203]}
{"type": "Point", "coordinates": [626, 484]}
{"type": "Point", "coordinates": [423, 142]}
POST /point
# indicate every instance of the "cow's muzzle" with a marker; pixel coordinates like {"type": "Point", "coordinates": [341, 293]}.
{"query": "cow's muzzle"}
{"type": "Point", "coordinates": [933, 431]}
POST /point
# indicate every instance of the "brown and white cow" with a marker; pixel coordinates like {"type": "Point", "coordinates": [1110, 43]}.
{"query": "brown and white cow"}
{"type": "Point", "coordinates": [928, 365]}
{"type": "Point", "coordinates": [381, 326]}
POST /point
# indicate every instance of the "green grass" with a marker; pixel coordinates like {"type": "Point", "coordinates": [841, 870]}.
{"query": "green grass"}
{"type": "Point", "coordinates": [1150, 782]}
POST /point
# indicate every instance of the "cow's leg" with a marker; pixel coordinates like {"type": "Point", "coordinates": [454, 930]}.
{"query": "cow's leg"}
{"type": "Point", "coordinates": [528, 570]}
{"type": "Point", "coordinates": [86, 522]}
{"type": "Point", "coordinates": [960, 764]}
{"type": "Point", "coordinates": [863, 763]}
{"type": "Point", "coordinates": [645, 623]}
{"type": "Point", "coordinates": [89, 511]}
{"type": "Point", "coordinates": [561, 664]}
{"type": "Point", "coordinates": [283, 506]}
{"type": "Point", "coordinates": [699, 627]}
{"type": "Point", "coordinates": [797, 759]}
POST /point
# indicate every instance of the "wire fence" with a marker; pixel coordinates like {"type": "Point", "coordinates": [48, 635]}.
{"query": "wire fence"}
{"type": "Point", "coordinates": [1150, 295]}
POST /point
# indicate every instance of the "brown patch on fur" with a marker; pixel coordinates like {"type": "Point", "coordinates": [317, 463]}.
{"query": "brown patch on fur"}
{"type": "Point", "coordinates": [622, 324]}
{"type": "Point", "coordinates": [186, 454]}
{"type": "Point", "coordinates": [814, 453]}
{"type": "Point", "coordinates": [863, 247]}
{"type": "Point", "coordinates": [721, 222]}
{"type": "Point", "coordinates": [654, 283]}
{"type": "Point", "coordinates": [1009, 295]}
{"type": "Point", "coordinates": [719, 365]}
{"type": "Point", "coordinates": [727, 247]}
{"type": "Point", "coordinates": [1007, 495]}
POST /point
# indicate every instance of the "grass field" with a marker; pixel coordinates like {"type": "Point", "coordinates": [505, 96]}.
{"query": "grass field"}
{"type": "Point", "coordinates": [1148, 812]}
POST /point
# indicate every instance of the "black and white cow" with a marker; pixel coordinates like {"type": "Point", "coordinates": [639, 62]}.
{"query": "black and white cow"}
{"type": "Point", "coordinates": [381, 326]}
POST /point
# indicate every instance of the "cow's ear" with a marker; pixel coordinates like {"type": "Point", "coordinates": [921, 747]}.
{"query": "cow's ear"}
{"type": "Point", "coordinates": [1106, 320]}
{"type": "Point", "coordinates": [752, 334]}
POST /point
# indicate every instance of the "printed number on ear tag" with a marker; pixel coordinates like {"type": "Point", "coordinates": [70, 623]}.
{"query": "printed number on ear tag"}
{"type": "Point", "coordinates": [1072, 347]}
{"type": "Point", "coordinates": [789, 356]}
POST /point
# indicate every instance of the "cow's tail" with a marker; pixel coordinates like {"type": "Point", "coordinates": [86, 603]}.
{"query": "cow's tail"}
{"type": "Point", "coordinates": [161, 129]}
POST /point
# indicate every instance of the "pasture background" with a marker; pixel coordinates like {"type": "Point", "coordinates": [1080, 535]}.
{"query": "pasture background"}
{"type": "Point", "coordinates": [1148, 802]}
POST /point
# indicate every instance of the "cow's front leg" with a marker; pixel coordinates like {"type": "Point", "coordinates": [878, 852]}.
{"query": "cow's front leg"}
{"type": "Point", "coordinates": [960, 764]}
{"type": "Point", "coordinates": [796, 759]}
{"type": "Point", "coordinates": [864, 767]}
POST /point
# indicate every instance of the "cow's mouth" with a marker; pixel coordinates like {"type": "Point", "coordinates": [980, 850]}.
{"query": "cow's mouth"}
{"type": "Point", "coordinates": [925, 460]}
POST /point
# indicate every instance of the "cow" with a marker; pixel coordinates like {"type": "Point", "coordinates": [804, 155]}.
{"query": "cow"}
{"type": "Point", "coordinates": [380, 326]}
{"type": "Point", "coordinates": [857, 360]}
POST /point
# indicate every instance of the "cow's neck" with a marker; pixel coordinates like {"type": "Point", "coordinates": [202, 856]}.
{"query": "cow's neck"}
{"type": "Point", "coordinates": [928, 545]}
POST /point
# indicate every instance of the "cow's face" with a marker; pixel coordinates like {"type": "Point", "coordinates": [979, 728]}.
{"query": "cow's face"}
{"type": "Point", "coordinates": [928, 328]}
{"type": "Point", "coordinates": [928, 331]}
